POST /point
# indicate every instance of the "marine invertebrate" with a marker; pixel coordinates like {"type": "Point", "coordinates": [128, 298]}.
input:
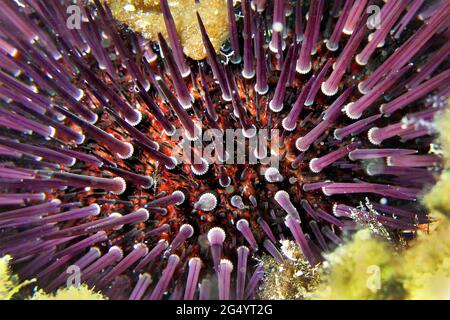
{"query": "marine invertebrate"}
{"type": "Point", "coordinates": [90, 115]}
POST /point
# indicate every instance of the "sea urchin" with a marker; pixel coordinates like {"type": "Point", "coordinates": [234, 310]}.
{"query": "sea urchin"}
{"type": "Point", "coordinates": [346, 90]}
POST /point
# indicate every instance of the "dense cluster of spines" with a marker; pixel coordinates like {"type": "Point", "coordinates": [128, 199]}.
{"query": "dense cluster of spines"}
{"type": "Point", "coordinates": [87, 174]}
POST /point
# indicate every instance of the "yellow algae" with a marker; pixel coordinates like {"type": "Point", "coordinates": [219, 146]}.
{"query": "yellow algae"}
{"type": "Point", "coordinates": [425, 270]}
{"type": "Point", "coordinates": [363, 268]}
{"type": "Point", "coordinates": [9, 283]}
{"type": "Point", "coordinates": [82, 292]}
{"type": "Point", "coordinates": [145, 16]}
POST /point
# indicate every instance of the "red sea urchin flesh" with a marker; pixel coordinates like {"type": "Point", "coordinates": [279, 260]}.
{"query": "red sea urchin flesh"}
{"type": "Point", "coordinates": [88, 176]}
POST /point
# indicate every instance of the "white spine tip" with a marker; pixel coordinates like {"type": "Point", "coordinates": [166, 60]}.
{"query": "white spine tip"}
{"type": "Point", "coordinates": [129, 152]}
{"type": "Point", "coordinates": [332, 46]}
{"type": "Point", "coordinates": [313, 166]}
{"type": "Point", "coordinates": [186, 105]}
{"type": "Point", "coordinates": [303, 70]}
{"type": "Point", "coordinates": [216, 235]}
{"type": "Point", "coordinates": [325, 192]}
{"type": "Point", "coordinates": [288, 126]}
{"type": "Point", "coordinates": [118, 251]}
{"type": "Point", "coordinates": [96, 209]}
{"type": "Point", "coordinates": [196, 134]}
{"type": "Point", "coordinates": [183, 197]}
{"type": "Point", "coordinates": [81, 139]}
{"type": "Point", "coordinates": [336, 134]}
{"type": "Point", "coordinates": [248, 75]}
{"type": "Point", "coordinates": [226, 265]}
{"type": "Point", "coordinates": [274, 48]}
{"type": "Point", "coordinates": [226, 184]}
{"type": "Point", "coordinates": [281, 195]}
{"type": "Point", "coordinates": [226, 97]}
{"type": "Point", "coordinates": [175, 162]}
{"type": "Point", "coordinates": [298, 145]}
{"type": "Point", "coordinates": [328, 91]}
{"type": "Point", "coordinates": [52, 131]}
{"type": "Point", "coordinates": [94, 120]}
{"type": "Point", "coordinates": [371, 136]}
{"type": "Point", "coordinates": [201, 169]}
{"type": "Point", "coordinates": [149, 184]}
{"type": "Point", "coordinates": [250, 133]}
{"type": "Point", "coordinates": [261, 91]}
{"type": "Point", "coordinates": [347, 31]}
{"type": "Point", "coordinates": [277, 27]}
{"type": "Point", "coordinates": [206, 202]}
{"type": "Point", "coordinates": [275, 108]}
{"type": "Point", "coordinates": [351, 114]}
{"type": "Point", "coordinates": [188, 229]}
{"type": "Point", "coordinates": [121, 187]}
{"type": "Point", "coordinates": [361, 88]}
{"type": "Point", "coordinates": [242, 224]}
{"type": "Point", "coordinates": [171, 132]}
{"type": "Point", "coordinates": [273, 175]}
{"type": "Point", "coordinates": [194, 261]}
{"type": "Point", "coordinates": [359, 61]}
{"type": "Point", "coordinates": [72, 162]}
{"type": "Point", "coordinates": [137, 120]}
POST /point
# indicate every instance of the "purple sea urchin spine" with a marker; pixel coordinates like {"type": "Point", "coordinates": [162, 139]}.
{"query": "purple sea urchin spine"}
{"type": "Point", "coordinates": [356, 127]}
{"type": "Point", "coordinates": [276, 104]}
{"type": "Point", "coordinates": [333, 42]}
{"type": "Point", "coordinates": [380, 189]}
{"type": "Point", "coordinates": [141, 286]}
{"type": "Point", "coordinates": [114, 254]}
{"type": "Point", "coordinates": [236, 58]}
{"type": "Point", "coordinates": [195, 265]}
{"type": "Point", "coordinates": [248, 71]}
{"type": "Point", "coordinates": [152, 255]}
{"type": "Point", "coordinates": [318, 164]}
{"type": "Point", "coordinates": [282, 198]}
{"type": "Point", "coordinates": [270, 247]}
{"type": "Point", "coordinates": [290, 121]}
{"type": "Point", "coordinates": [139, 251]}
{"type": "Point", "coordinates": [244, 227]}
{"type": "Point", "coordinates": [216, 237]}
{"type": "Point", "coordinates": [408, 49]}
{"type": "Point", "coordinates": [243, 253]}
{"type": "Point", "coordinates": [298, 21]}
{"type": "Point", "coordinates": [355, 13]}
{"type": "Point", "coordinates": [304, 61]}
{"type": "Point", "coordinates": [186, 231]}
{"type": "Point", "coordinates": [378, 36]}
{"type": "Point", "coordinates": [296, 230]}
{"type": "Point", "coordinates": [413, 95]}
{"type": "Point", "coordinates": [174, 39]}
{"type": "Point", "coordinates": [261, 85]}
{"type": "Point", "coordinates": [184, 97]}
{"type": "Point", "coordinates": [212, 60]}
{"type": "Point", "coordinates": [167, 275]}
{"type": "Point", "coordinates": [224, 274]}
{"type": "Point", "coordinates": [413, 8]}
{"type": "Point", "coordinates": [330, 86]}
